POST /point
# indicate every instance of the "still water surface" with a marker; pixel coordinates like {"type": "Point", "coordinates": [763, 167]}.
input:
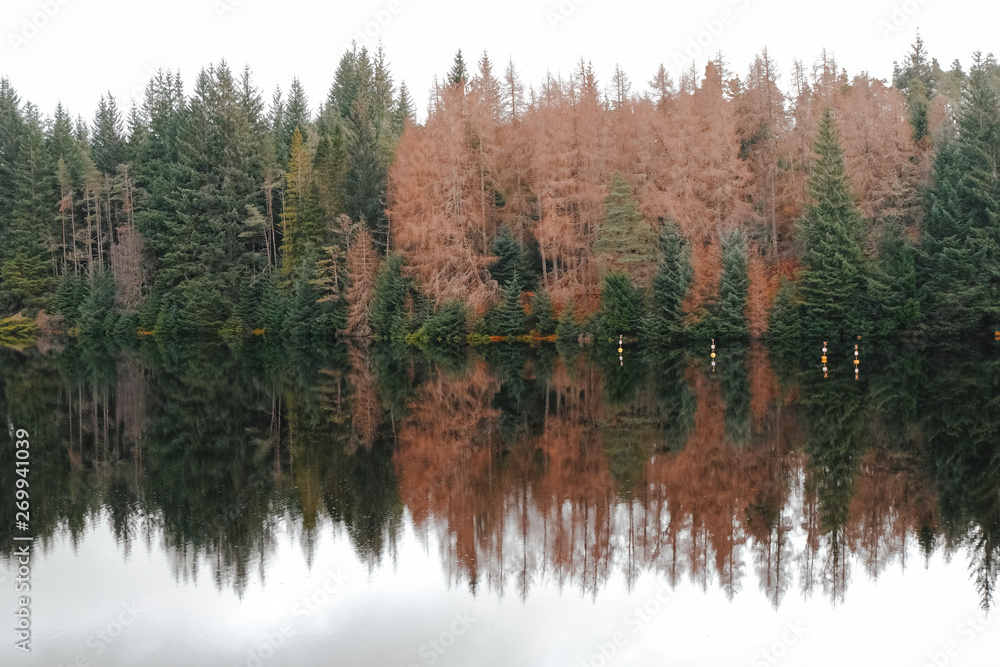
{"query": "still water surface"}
{"type": "Point", "coordinates": [368, 507]}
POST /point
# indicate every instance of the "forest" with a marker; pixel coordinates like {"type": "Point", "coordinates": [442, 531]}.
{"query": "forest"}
{"type": "Point", "coordinates": [721, 206]}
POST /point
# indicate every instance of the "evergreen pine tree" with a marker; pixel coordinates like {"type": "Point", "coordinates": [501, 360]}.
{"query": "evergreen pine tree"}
{"type": "Point", "coordinates": [979, 143]}
{"type": "Point", "coordinates": [784, 325]}
{"type": "Point", "coordinates": [403, 111]}
{"type": "Point", "coordinates": [915, 78]}
{"type": "Point", "coordinates": [388, 309]}
{"type": "Point", "coordinates": [568, 331]}
{"type": "Point", "coordinates": [731, 320]}
{"type": "Point", "coordinates": [330, 173]}
{"type": "Point", "coordinates": [367, 170]}
{"type": "Point", "coordinates": [621, 307]}
{"type": "Point", "coordinates": [509, 266]}
{"type": "Point", "coordinates": [832, 264]}
{"type": "Point", "coordinates": [459, 73]}
{"type": "Point", "coordinates": [542, 314]}
{"type": "Point", "coordinates": [107, 147]}
{"type": "Point", "coordinates": [625, 242]}
{"type": "Point", "coordinates": [893, 297]}
{"type": "Point", "coordinates": [670, 286]}
{"type": "Point", "coordinates": [960, 255]}
{"type": "Point", "coordinates": [10, 132]}
{"type": "Point", "coordinates": [26, 275]}
{"type": "Point", "coordinates": [510, 319]}
{"type": "Point", "coordinates": [301, 225]}
{"type": "Point", "coordinates": [196, 219]}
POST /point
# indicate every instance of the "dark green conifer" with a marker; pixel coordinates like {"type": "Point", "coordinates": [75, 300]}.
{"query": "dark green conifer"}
{"type": "Point", "coordinates": [542, 314]}
{"type": "Point", "coordinates": [731, 320]}
{"type": "Point", "coordinates": [625, 241]}
{"type": "Point", "coordinates": [833, 269]}
{"type": "Point", "coordinates": [670, 286]}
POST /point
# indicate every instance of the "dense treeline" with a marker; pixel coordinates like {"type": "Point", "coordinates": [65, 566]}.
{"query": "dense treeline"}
{"type": "Point", "coordinates": [717, 207]}
{"type": "Point", "coordinates": [198, 215]}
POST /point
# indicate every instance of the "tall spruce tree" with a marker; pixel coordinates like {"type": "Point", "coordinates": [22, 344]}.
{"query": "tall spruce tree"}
{"type": "Point", "coordinates": [915, 78]}
{"type": "Point", "coordinates": [388, 309]}
{"type": "Point", "coordinates": [107, 146]}
{"type": "Point", "coordinates": [621, 307]}
{"type": "Point", "coordinates": [833, 269]}
{"type": "Point", "coordinates": [302, 231]}
{"type": "Point", "coordinates": [960, 254]}
{"type": "Point", "coordinates": [784, 325]}
{"type": "Point", "coordinates": [459, 73]}
{"type": "Point", "coordinates": [979, 143]}
{"type": "Point", "coordinates": [510, 265]}
{"type": "Point", "coordinates": [10, 132]}
{"type": "Point", "coordinates": [543, 315]}
{"type": "Point", "coordinates": [731, 320]}
{"type": "Point", "coordinates": [26, 270]}
{"type": "Point", "coordinates": [509, 317]}
{"type": "Point", "coordinates": [625, 242]}
{"type": "Point", "coordinates": [670, 286]}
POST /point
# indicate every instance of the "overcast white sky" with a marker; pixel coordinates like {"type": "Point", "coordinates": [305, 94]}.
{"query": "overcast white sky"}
{"type": "Point", "coordinates": [73, 50]}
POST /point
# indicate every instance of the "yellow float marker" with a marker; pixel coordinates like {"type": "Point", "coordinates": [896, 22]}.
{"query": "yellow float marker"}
{"type": "Point", "coordinates": [713, 355]}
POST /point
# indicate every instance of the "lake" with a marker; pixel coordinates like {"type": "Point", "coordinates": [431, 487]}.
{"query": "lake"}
{"type": "Point", "coordinates": [508, 506]}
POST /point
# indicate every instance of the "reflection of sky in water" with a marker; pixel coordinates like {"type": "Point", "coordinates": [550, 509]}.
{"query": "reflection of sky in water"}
{"type": "Point", "coordinates": [389, 615]}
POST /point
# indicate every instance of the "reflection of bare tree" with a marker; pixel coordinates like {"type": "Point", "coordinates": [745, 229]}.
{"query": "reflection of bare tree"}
{"type": "Point", "coordinates": [366, 407]}
{"type": "Point", "coordinates": [443, 461]}
{"type": "Point", "coordinates": [890, 501]}
{"type": "Point", "coordinates": [547, 508]}
{"type": "Point", "coordinates": [836, 572]}
{"type": "Point", "coordinates": [131, 398]}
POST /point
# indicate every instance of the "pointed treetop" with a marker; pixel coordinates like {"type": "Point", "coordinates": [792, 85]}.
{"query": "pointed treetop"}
{"type": "Point", "coordinates": [459, 73]}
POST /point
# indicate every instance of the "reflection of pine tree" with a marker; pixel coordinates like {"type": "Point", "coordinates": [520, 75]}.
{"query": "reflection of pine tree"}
{"type": "Point", "coordinates": [736, 393]}
{"type": "Point", "coordinates": [512, 399]}
{"type": "Point", "coordinates": [676, 398]}
{"type": "Point", "coordinates": [835, 409]}
{"type": "Point", "coordinates": [630, 430]}
{"type": "Point", "coordinates": [960, 407]}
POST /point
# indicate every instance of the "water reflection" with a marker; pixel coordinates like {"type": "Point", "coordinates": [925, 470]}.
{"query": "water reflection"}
{"type": "Point", "coordinates": [525, 467]}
